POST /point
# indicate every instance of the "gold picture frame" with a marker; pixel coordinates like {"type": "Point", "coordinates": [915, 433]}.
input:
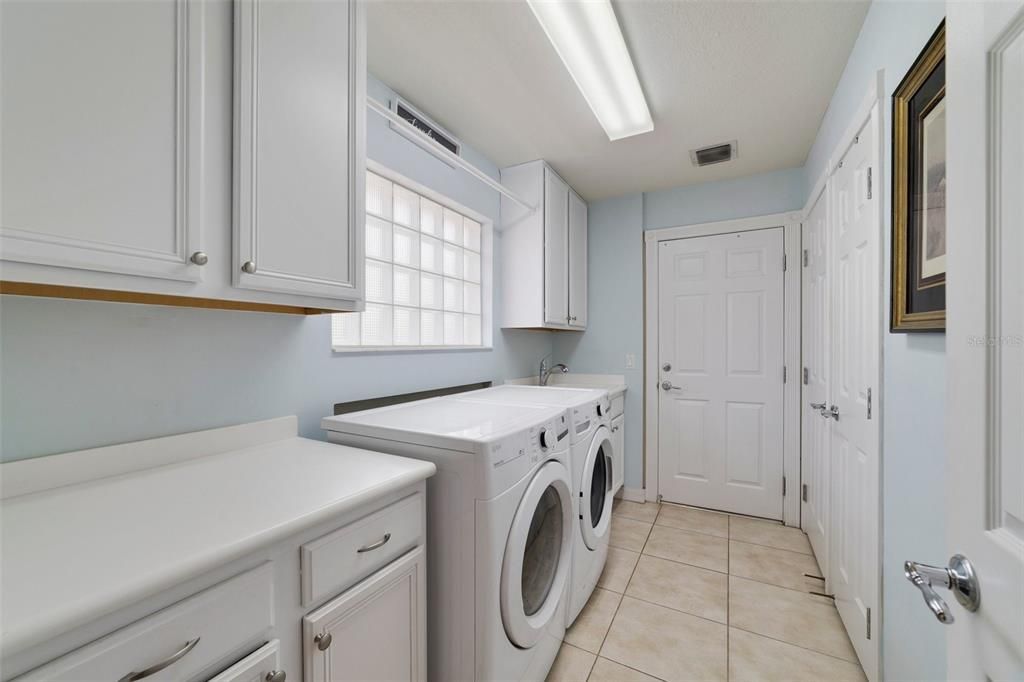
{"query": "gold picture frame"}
{"type": "Point", "coordinates": [918, 193]}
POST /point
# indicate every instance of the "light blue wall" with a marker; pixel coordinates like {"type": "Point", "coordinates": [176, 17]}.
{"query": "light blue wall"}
{"type": "Point", "coordinates": [914, 397]}
{"type": "Point", "coordinates": [76, 374]}
{"type": "Point", "coordinates": [615, 316]}
{"type": "Point", "coordinates": [762, 194]}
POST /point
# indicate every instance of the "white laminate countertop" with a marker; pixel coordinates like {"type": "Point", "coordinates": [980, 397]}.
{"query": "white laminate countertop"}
{"type": "Point", "coordinates": [78, 552]}
{"type": "Point", "coordinates": [615, 384]}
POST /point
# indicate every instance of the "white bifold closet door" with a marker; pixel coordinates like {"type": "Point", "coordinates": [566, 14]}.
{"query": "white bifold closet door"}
{"type": "Point", "coordinates": [815, 489]}
{"type": "Point", "coordinates": [854, 373]}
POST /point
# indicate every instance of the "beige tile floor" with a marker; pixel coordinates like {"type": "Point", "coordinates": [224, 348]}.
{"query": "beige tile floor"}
{"type": "Point", "coordinates": [689, 594]}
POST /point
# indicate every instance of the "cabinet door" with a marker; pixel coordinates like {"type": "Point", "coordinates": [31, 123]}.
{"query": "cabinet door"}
{"type": "Point", "coordinates": [101, 120]}
{"type": "Point", "coordinates": [619, 452]}
{"type": "Point", "coordinates": [374, 631]}
{"type": "Point", "coordinates": [556, 250]}
{"type": "Point", "coordinates": [300, 110]}
{"type": "Point", "coordinates": [259, 666]}
{"type": "Point", "coordinates": [577, 261]}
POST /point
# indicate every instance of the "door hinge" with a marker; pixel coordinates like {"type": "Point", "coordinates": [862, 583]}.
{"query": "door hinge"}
{"type": "Point", "coordinates": [806, 260]}
{"type": "Point", "coordinates": [869, 402]}
{"type": "Point", "coordinates": [805, 376]}
{"type": "Point", "coordinates": [869, 182]}
{"type": "Point", "coordinates": [783, 486]}
{"type": "Point", "coordinates": [785, 374]}
{"type": "Point", "coordinates": [869, 623]}
{"type": "Point", "coordinates": [803, 492]}
{"type": "Point", "coordinates": [784, 265]}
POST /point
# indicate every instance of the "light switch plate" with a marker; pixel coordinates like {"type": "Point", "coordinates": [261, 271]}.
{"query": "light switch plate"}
{"type": "Point", "coordinates": [630, 361]}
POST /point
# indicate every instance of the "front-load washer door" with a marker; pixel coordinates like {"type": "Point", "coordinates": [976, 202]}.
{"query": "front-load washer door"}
{"type": "Point", "coordinates": [596, 490]}
{"type": "Point", "coordinates": [536, 564]}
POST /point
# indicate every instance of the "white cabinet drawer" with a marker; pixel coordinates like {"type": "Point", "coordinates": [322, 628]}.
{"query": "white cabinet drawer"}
{"type": "Point", "coordinates": [185, 638]}
{"type": "Point", "coordinates": [259, 666]}
{"type": "Point", "coordinates": [338, 560]}
{"type": "Point", "coordinates": [618, 406]}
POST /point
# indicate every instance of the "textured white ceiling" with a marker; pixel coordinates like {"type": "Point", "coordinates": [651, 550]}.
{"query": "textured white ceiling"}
{"type": "Point", "coordinates": [761, 73]}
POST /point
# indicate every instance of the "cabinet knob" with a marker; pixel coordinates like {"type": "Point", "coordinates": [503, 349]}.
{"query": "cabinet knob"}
{"type": "Point", "coordinates": [276, 676]}
{"type": "Point", "coordinates": [249, 267]}
{"type": "Point", "coordinates": [200, 258]}
{"type": "Point", "coordinates": [323, 641]}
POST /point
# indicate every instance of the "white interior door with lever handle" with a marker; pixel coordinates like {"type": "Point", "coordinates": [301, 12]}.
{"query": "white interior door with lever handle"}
{"type": "Point", "coordinates": [720, 355]}
{"type": "Point", "coordinates": [984, 346]}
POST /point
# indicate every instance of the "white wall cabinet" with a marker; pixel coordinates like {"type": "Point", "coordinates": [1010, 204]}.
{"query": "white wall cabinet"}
{"type": "Point", "coordinates": [119, 180]}
{"type": "Point", "coordinates": [375, 631]}
{"type": "Point", "coordinates": [544, 252]}
{"type": "Point", "coordinates": [102, 166]}
{"type": "Point", "coordinates": [300, 147]}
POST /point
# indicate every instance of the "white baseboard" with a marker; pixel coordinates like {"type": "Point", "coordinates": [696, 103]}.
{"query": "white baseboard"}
{"type": "Point", "coordinates": [633, 494]}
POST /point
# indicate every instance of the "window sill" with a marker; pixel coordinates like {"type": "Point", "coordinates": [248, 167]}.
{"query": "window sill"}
{"type": "Point", "coordinates": [369, 350]}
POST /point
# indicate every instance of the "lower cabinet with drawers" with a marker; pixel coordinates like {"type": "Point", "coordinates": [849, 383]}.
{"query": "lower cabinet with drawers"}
{"type": "Point", "coordinates": [345, 600]}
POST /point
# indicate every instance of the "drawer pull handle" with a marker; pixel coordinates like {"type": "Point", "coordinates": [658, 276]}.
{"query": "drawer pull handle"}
{"type": "Point", "coordinates": [157, 667]}
{"type": "Point", "coordinates": [380, 543]}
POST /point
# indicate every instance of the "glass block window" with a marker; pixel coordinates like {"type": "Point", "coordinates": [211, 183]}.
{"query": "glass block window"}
{"type": "Point", "coordinates": [423, 274]}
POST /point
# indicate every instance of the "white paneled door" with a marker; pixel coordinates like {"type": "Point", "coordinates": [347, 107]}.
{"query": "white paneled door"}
{"type": "Point", "coordinates": [853, 381]}
{"type": "Point", "coordinates": [815, 488]}
{"type": "Point", "coordinates": [720, 356]}
{"type": "Point", "coordinates": [985, 336]}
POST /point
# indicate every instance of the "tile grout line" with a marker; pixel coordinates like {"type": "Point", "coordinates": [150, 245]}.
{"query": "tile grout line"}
{"type": "Point", "coordinates": [798, 646]}
{"type": "Point", "coordinates": [622, 596]}
{"type": "Point", "coordinates": [780, 549]}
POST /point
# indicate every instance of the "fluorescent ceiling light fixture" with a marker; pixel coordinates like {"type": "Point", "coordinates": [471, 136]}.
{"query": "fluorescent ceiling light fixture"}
{"type": "Point", "coordinates": [587, 37]}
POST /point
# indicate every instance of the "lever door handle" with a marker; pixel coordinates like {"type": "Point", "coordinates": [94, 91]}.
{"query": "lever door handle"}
{"type": "Point", "coordinates": [669, 386]}
{"type": "Point", "coordinates": [959, 577]}
{"type": "Point", "coordinates": [820, 407]}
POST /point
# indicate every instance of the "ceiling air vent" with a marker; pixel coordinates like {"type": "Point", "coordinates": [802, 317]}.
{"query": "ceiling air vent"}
{"type": "Point", "coordinates": [713, 154]}
{"type": "Point", "coordinates": [423, 124]}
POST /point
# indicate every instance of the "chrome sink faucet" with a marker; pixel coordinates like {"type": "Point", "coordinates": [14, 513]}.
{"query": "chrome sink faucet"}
{"type": "Point", "coordinates": [545, 372]}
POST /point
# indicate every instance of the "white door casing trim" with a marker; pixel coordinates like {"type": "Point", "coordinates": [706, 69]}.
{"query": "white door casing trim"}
{"type": "Point", "coordinates": [790, 222]}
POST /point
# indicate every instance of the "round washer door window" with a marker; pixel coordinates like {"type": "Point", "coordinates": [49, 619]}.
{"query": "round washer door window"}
{"type": "Point", "coordinates": [596, 486]}
{"type": "Point", "coordinates": [536, 563]}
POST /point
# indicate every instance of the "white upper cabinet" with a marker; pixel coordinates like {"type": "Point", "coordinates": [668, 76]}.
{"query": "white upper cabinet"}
{"type": "Point", "coordinates": [101, 126]}
{"type": "Point", "coordinates": [300, 147]}
{"type": "Point", "coordinates": [184, 152]}
{"type": "Point", "coordinates": [544, 252]}
{"type": "Point", "coordinates": [577, 261]}
{"type": "Point", "coordinates": [556, 249]}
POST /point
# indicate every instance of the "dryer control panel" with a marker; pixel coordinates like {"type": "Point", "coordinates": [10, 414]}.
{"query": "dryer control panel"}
{"type": "Point", "coordinates": [515, 456]}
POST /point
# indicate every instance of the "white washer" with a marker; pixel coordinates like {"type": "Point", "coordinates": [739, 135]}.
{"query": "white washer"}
{"type": "Point", "coordinates": [593, 475]}
{"type": "Point", "coordinates": [499, 526]}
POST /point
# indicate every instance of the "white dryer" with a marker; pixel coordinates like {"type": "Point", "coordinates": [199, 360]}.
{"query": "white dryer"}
{"type": "Point", "coordinates": [499, 527]}
{"type": "Point", "coordinates": [592, 455]}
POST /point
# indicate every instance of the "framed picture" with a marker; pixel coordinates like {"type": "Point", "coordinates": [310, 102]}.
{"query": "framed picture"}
{"type": "Point", "coordinates": [919, 193]}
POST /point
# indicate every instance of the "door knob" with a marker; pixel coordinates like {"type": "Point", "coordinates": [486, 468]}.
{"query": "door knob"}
{"type": "Point", "coordinates": [669, 386]}
{"type": "Point", "coordinates": [959, 577]}
{"type": "Point", "coordinates": [667, 367]}
{"type": "Point", "coordinates": [249, 267]}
